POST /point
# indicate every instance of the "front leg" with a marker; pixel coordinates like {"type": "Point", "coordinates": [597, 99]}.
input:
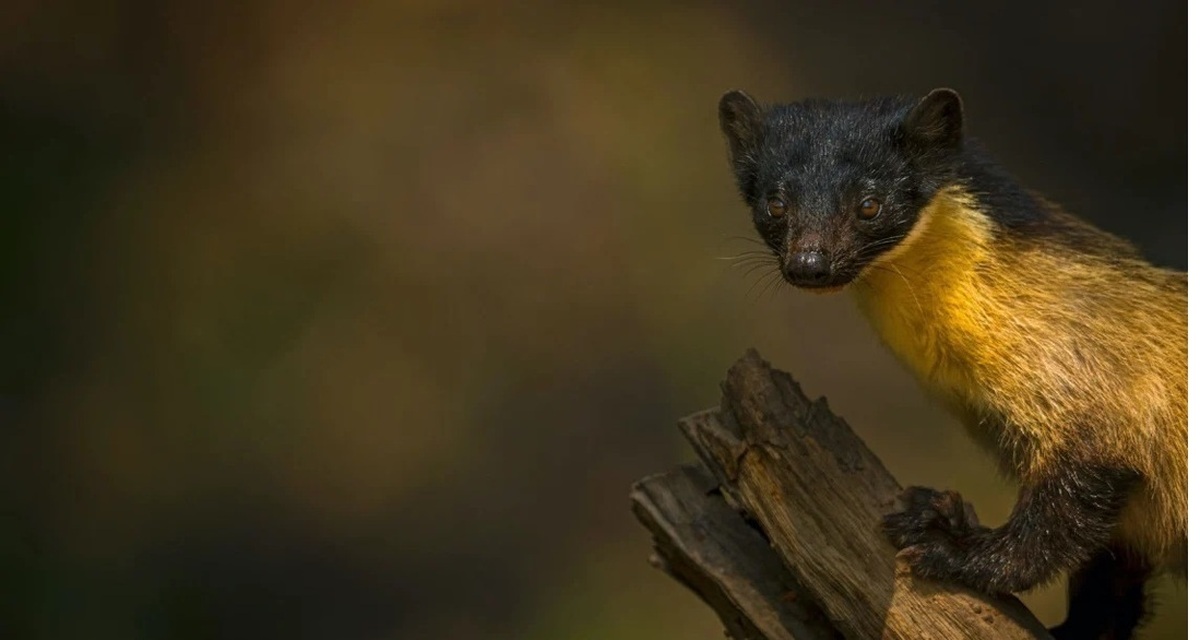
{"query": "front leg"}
{"type": "Point", "coordinates": [1057, 524]}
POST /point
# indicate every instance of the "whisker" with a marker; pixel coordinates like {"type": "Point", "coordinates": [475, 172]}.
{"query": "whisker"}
{"type": "Point", "coordinates": [891, 268]}
{"type": "Point", "coordinates": [755, 268]}
{"type": "Point", "coordinates": [756, 241]}
{"type": "Point", "coordinates": [763, 278]}
{"type": "Point", "coordinates": [751, 259]}
{"type": "Point", "coordinates": [779, 285]}
{"type": "Point", "coordinates": [763, 291]}
{"type": "Point", "coordinates": [751, 252]}
{"type": "Point", "coordinates": [880, 242]}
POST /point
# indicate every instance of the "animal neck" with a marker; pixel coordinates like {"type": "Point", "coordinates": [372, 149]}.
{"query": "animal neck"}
{"type": "Point", "coordinates": [923, 296]}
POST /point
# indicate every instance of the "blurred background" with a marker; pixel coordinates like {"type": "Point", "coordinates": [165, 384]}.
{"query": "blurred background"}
{"type": "Point", "coordinates": [358, 319]}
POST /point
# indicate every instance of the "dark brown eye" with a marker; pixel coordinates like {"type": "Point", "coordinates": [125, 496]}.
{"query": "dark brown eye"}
{"type": "Point", "coordinates": [776, 207]}
{"type": "Point", "coordinates": [869, 208]}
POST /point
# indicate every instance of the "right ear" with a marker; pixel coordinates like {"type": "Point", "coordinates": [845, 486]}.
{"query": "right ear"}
{"type": "Point", "coordinates": [936, 122]}
{"type": "Point", "coordinates": [742, 124]}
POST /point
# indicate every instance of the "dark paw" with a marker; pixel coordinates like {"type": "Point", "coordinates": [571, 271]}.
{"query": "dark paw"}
{"type": "Point", "coordinates": [936, 559]}
{"type": "Point", "coordinates": [929, 518]}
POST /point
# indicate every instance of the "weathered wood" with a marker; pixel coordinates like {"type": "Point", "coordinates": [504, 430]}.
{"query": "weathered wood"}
{"type": "Point", "coordinates": [702, 542]}
{"type": "Point", "coordinates": [818, 494]}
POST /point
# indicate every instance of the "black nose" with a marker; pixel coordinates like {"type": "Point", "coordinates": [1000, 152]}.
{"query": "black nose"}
{"type": "Point", "coordinates": [808, 268]}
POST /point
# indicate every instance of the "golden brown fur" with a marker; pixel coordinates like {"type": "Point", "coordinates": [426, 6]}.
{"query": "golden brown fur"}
{"type": "Point", "coordinates": [1052, 347]}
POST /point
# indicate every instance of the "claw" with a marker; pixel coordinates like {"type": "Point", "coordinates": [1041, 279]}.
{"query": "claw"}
{"type": "Point", "coordinates": [926, 514]}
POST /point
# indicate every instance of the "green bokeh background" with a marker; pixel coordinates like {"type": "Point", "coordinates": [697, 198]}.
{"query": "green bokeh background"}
{"type": "Point", "coordinates": [357, 320]}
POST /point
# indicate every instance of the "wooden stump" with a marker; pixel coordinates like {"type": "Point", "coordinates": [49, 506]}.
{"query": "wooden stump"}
{"type": "Point", "coordinates": [779, 532]}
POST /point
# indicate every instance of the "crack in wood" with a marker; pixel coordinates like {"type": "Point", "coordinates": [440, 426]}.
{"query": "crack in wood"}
{"type": "Point", "coordinates": [778, 528]}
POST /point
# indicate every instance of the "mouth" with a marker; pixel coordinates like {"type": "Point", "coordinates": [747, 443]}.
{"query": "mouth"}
{"type": "Point", "coordinates": [831, 284]}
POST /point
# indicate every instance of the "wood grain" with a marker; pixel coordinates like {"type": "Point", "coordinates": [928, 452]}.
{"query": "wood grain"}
{"type": "Point", "coordinates": [803, 484]}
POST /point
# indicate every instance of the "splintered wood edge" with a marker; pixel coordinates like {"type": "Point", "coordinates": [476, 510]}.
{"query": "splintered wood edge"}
{"type": "Point", "coordinates": [703, 543]}
{"type": "Point", "coordinates": [764, 407]}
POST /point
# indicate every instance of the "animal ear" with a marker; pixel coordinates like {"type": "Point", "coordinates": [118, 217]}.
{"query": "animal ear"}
{"type": "Point", "coordinates": [937, 121]}
{"type": "Point", "coordinates": [742, 124]}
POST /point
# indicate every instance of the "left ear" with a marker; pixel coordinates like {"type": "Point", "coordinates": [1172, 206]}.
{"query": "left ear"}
{"type": "Point", "coordinates": [742, 123]}
{"type": "Point", "coordinates": [937, 121]}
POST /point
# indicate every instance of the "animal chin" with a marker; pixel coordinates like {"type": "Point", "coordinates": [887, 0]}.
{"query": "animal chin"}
{"type": "Point", "coordinates": [821, 290]}
{"type": "Point", "coordinates": [834, 285]}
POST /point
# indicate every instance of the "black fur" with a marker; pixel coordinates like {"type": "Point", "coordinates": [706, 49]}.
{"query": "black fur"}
{"type": "Point", "coordinates": [823, 157]}
{"type": "Point", "coordinates": [1107, 597]}
{"type": "Point", "coordinates": [1058, 523]}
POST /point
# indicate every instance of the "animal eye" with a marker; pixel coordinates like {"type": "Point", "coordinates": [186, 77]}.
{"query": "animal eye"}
{"type": "Point", "coordinates": [869, 208]}
{"type": "Point", "coordinates": [776, 207]}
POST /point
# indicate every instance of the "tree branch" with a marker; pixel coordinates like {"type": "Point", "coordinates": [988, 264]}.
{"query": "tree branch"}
{"type": "Point", "coordinates": [800, 477]}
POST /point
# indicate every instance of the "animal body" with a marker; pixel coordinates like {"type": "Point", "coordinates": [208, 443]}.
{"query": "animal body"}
{"type": "Point", "coordinates": [1062, 351]}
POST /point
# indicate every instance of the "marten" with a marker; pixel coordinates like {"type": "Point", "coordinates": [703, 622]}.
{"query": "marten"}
{"type": "Point", "coordinates": [1060, 348]}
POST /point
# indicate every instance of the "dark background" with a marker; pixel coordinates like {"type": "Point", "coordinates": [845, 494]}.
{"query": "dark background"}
{"type": "Point", "coordinates": [358, 319]}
